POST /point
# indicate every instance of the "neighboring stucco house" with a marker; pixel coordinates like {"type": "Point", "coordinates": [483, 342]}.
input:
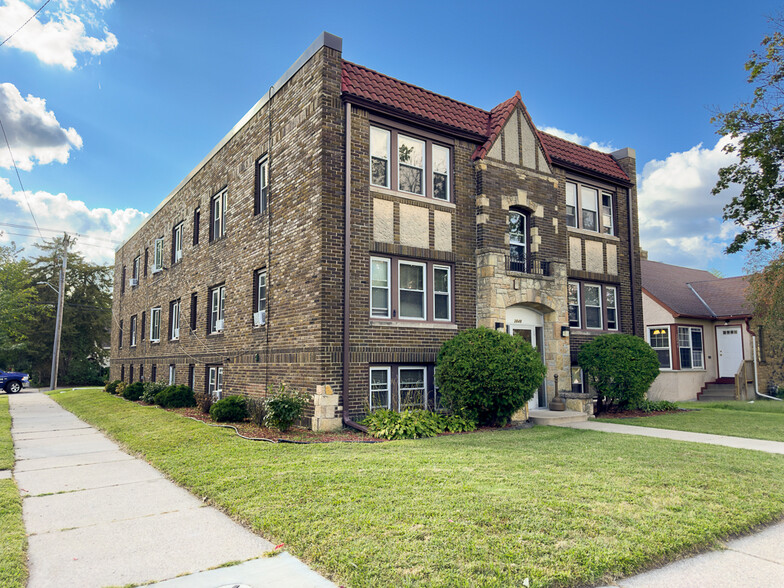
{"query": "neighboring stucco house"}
{"type": "Point", "coordinates": [351, 223]}
{"type": "Point", "coordinates": [701, 327]}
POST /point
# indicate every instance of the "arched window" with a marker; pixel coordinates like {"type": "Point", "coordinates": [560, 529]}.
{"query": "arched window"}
{"type": "Point", "coordinates": [518, 242]}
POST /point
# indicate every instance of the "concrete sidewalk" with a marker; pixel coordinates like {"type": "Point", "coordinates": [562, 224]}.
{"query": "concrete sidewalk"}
{"type": "Point", "coordinates": [725, 440]}
{"type": "Point", "coordinates": [95, 516]}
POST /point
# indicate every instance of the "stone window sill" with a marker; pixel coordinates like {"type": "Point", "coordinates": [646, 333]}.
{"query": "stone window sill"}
{"type": "Point", "coordinates": [414, 324]}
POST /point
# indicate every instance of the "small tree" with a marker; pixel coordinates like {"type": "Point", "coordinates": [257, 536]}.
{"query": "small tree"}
{"type": "Point", "coordinates": [487, 375]}
{"type": "Point", "coordinates": [620, 367]}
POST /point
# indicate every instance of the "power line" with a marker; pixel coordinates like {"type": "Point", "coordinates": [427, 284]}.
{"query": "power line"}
{"type": "Point", "coordinates": [110, 241]}
{"type": "Point", "coordinates": [25, 23]}
{"type": "Point", "coordinates": [24, 193]}
{"type": "Point", "coordinates": [94, 245]}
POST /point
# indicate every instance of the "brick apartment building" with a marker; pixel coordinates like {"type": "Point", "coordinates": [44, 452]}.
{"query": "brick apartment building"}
{"type": "Point", "coordinates": [254, 271]}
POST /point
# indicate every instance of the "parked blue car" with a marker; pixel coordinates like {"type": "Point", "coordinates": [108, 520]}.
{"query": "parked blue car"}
{"type": "Point", "coordinates": [12, 382]}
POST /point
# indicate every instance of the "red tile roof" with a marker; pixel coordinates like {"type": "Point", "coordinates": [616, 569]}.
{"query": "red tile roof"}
{"type": "Point", "coordinates": [695, 293]}
{"type": "Point", "coordinates": [398, 96]}
{"type": "Point", "coordinates": [563, 151]}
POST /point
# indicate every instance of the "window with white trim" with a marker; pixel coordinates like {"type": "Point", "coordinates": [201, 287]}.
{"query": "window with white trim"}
{"type": "Point", "coordinates": [218, 215]}
{"type": "Point", "coordinates": [690, 348]}
{"type": "Point", "coordinates": [411, 290]}
{"type": "Point", "coordinates": [217, 302]}
{"type": "Point", "coordinates": [174, 320]}
{"type": "Point", "coordinates": [577, 379]}
{"type": "Point", "coordinates": [410, 164]}
{"type": "Point", "coordinates": [412, 387]}
{"type": "Point", "coordinates": [177, 243]}
{"type": "Point", "coordinates": [157, 260]}
{"type": "Point", "coordinates": [611, 307]}
{"type": "Point", "coordinates": [262, 186]}
{"type": "Point", "coordinates": [172, 375]}
{"type": "Point", "coordinates": [593, 306]}
{"type": "Point", "coordinates": [215, 381]}
{"type": "Point", "coordinates": [133, 331]}
{"type": "Point", "coordinates": [380, 388]}
{"type": "Point", "coordinates": [379, 287]}
{"type": "Point", "coordinates": [573, 300]}
{"type": "Point", "coordinates": [590, 208]}
{"type": "Point", "coordinates": [659, 339]}
{"type": "Point", "coordinates": [518, 241]}
{"type": "Point", "coordinates": [260, 298]}
{"type": "Point", "coordinates": [136, 265]}
{"type": "Point", "coordinates": [442, 296]}
{"type": "Point", "coordinates": [155, 324]}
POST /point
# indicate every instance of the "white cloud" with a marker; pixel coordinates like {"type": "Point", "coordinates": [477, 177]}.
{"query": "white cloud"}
{"type": "Point", "coordinates": [62, 36]}
{"type": "Point", "coordinates": [579, 139]}
{"type": "Point", "coordinates": [33, 131]}
{"type": "Point", "coordinates": [102, 229]}
{"type": "Point", "coordinates": [680, 220]}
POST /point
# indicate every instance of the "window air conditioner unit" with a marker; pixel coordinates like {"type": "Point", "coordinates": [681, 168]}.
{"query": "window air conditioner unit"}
{"type": "Point", "coordinates": [176, 334]}
{"type": "Point", "coordinates": [133, 282]}
{"type": "Point", "coordinates": [259, 318]}
{"type": "Point", "coordinates": [219, 325]}
{"type": "Point", "coordinates": [177, 256]}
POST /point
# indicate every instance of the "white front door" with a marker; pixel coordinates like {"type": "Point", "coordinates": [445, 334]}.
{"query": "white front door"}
{"type": "Point", "coordinates": [730, 344]}
{"type": "Point", "coordinates": [529, 334]}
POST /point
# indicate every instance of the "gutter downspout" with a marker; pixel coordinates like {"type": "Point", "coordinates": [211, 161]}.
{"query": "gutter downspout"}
{"type": "Point", "coordinates": [346, 279]}
{"type": "Point", "coordinates": [754, 350]}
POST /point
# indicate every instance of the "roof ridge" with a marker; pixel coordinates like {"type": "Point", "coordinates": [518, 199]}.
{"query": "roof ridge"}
{"type": "Point", "coordinates": [409, 84]}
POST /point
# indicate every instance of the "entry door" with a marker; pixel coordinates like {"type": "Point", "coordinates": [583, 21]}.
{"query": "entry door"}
{"type": "Point", "coordinates": [730, 346]}
{"type": "Point", "coordinates": [529, 334]}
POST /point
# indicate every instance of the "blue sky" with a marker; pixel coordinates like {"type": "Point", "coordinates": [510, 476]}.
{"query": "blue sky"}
{"type": "Point", "coordinates": [110, 103]}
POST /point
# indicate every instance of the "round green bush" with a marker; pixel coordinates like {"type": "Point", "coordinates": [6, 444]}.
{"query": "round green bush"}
{"type": "Point", "coordinates": [620, 367]}
{"type": "Point", "coordinates": [486, 375]}
{"type": "Point", "coordinates": [111, 387]}
{"type": "Point", "coordinates": [284, 406]}
{"type": "Point", "coordinates": [175, 397]}
{"type": "Point", "coordinates": [133, 391]}
{"type": "Point", "coordinates": [230, 409]}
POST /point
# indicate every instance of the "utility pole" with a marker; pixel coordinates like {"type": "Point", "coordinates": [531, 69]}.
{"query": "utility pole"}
{"type": "Point", "coordinates": [59, 321]}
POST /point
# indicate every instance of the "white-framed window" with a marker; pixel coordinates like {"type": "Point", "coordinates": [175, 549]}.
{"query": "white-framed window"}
{"type": "Point", "coordinates": [611, 307]}
{"type": "Point", "coordinates": [133, 331]}
{"type": "Point", "coordinates": [136, 265]}
{"type": "Point", "coordinates": [217, 302]}
{"type": "Point", "coordinates": [659, 339]}
{"type": "Point", "coordinates": [593, 306]}
{"type": "Point", "coordinates": [518, 242]}
{"type": "Point", "coordinates": [573, 300]}
{"type": "Point", "coordinates": [262, 189]}
{"type": "Point", "coordinates": [379, 287]}
{"type": "Point", "coordinates": [690, 348]}
{"type": "Point", "coordinates": [411, 290]}
{"type": "Point", "coordinates": [157, 260]}
{"type": "Point", "coordinates": [608, 224]}
{"type": "Point", "coordinates": [174, 324]}
{"type": "Point", "coordinates": [577, 379]}
{"type": "Point", "coordinates": [590, 208]}
{"type": "Point", "coordinates": [260, 298]}
{"type": "Point", "coordinates": [155, 324]}
{"type": "Point", "coordinates": [215, 381]}
{"type": "Point", "coordinates": [401, 161]}
{"type": "Point", "coordinates": [172, 375]}
{"type": "Point", "coordinates": [177, 242]}
{"type": "Point", "coordinates": [379, 157]}
{"type": "Point", "coordinates": [218, 213]}
{"type": "Point", "coordinates": [442, 293]}
{"type": "Point", "coordinates": [412, 387]}
{"type": "Point", "coordinates": [380, 388]}
{"type": "Point", "coordinates": [440, 172]}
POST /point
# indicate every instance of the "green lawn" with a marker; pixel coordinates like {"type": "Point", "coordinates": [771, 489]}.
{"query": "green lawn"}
{"type": "Point", "coordinates": [13, 542]}
{"type": "Point", "coordinates": [562, 507]}
{"type": "Point", "coordinates": [760, 420]}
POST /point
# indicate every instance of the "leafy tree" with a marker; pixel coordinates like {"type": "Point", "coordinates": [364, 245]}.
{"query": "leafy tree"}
{"type": "Point", "coordinates": [621, 368]}
{"type": "Point", "coordinates": [757, 128]}
{"type": "Point", "coordinates": [486, 375]}
{"type": "Point", "coordinates": [18, 307]}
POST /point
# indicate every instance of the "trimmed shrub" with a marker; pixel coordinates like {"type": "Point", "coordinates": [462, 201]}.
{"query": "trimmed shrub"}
{"type": "Point", "coordinates": [230, 409]}
{"type": "Point", "coordinates": [486, 376]}
{"type": "Point", "coordinates": [151, 389]}
{"type": "Point", "coordinates": [121, 386]}
{"type": "Point", "coordinates": [204, 401]}
{"type": "Point", "coordinates": [620, 367]}
{"type": "Point", "coordinates": [656, 406]}
{"type": "Point", "coordinates": [111, 387]}
{"type": "Point", "coordinates": [284, 406]}
{"type": "Point", "coordinates": [175, 397]}
{"type": "Point", "coordinates": [413, 424]}
{"type": "Point", "coordinates": [133, 391]}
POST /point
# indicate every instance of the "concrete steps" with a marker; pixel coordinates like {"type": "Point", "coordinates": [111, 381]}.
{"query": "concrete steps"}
{"type": "Point", "coordinates": [716, 392]}
{"type": "Point", "coordinates": [542, 416]}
